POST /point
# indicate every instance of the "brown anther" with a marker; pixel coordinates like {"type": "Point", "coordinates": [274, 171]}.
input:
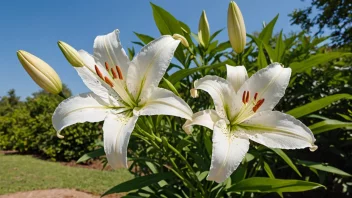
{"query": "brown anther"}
{"type": "Point", "coordinates": [247, 97]}
{"type": "Point", "coordinates": [114, 74]}
{"type": "Point", "coordinates": [107, 66]}
{"type": "Point", "coordinates": [255, 96]}
{"type": "Point", "coordinates": [98, 72]}
{"type": "Point", "coordinates": [107, 80]}
{"type": "Point", "coordinates": [119, 72]}
{"type": "Point", "coordinates": [259, 103]}
{"type": "Point", "coordinates": [244, 97]}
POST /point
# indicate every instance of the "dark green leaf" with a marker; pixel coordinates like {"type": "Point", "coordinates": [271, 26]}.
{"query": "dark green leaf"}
{"type": "Point", "coordinates": [328, 125]}
{"type": "Point", "coordinates": [267, 32]}
{"type": "Point", "coordinates": [286, 159]}
{"type": "Point", "coordinates": [144, 38]}
{"type": "Point", "coordinates": [96, 153]}
{"type": "Point", "coordinates": [215, 34]}
{"type": "Point", "coordinates": [263, 184]}
{"type": "Point", "coordinates": [323, 167]}
{"type": "Point", "coordinates": [139, 182]}
{"type": "Point", "coordinates": [317, 104]}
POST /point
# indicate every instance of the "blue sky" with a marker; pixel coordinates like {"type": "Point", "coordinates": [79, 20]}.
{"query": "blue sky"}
{"type": "Point", "coordinates": [37, 25]}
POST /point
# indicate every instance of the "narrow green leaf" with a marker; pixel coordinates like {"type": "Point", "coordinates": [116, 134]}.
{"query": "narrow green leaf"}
{"type": "Point", "coordinates": [322, 167]}
{"type": "Point", "coordinates": [328, 125]}
{"type": "Point", "coordinates": [144, 38]}
{"type": "Point", "coordinates": [286, 159]}
{"type": "Point", "coordinates": [264, 185]}
{"type": "Point", "coordinates": [315, 60]}
{"type": "Point", "coordinates": [139, 182]}
{"type": "Point", "coordinates": [181, 74]}
{"type": "Point", "coordinates": [215, 34]}
{"type": "Point", "coordinates": [221, 47]}
{"type": "Point", "coordinates": [261, 60]}
{"type": "Point", "coordinates": [268, 170]}
{"type": "Point", "coordinates": [267, 32]}
{"type": "Point", "coordinates": [171, 86]}
{"type": "Point", "coordinates": [317, 104]}
{"type": "Point", "coordinates": [279, 48]}
{"type": "Point", "coordinates": [202, 175]}
{"type": "Point", "coordinates": [96, 153]}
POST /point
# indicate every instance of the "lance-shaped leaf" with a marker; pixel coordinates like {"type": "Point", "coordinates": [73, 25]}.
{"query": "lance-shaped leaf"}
{"type": "Point", "coordinates": [267, 32]}
{"type": "Point", "coordinates": [287, 160]}
{"type": "Point", "coordinates": [139, 182]}
{"type": "Point", "coordinates": [315, 60]}
{"type": "Point", "coordinates": [328, 125]}
{"type": "Point", "coordinates": [317, 104]}
{"type": "Point", "coordinates": [264, 185]}
{"type": "Point", "coordinates": [144, 38]}
{"type": "Point", "coordinates": [322, 167]}
{"type": "Point", "coordinates": [96, 153]}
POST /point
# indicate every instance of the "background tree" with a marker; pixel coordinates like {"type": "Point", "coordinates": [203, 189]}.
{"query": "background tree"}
{"type": "Point", "coordinates": [335, 15]}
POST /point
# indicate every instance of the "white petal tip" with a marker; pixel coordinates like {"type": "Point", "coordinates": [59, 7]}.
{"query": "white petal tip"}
{"type": "Point", "coordinates": [60, 136]}
{"type": "Point", "coordinates": [217, 180]}
{"type": "Point", "coordinates": [194, 93]}
{"type": "Point", "coordinates": [313, 148]}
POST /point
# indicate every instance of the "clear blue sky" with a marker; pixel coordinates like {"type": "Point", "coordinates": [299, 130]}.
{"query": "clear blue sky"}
{"type": "Point", "coordinates": [37, 25]}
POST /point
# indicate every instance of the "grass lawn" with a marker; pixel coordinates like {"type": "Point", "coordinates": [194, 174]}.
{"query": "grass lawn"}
{"type": "Point", "coordinates": [24, 173]}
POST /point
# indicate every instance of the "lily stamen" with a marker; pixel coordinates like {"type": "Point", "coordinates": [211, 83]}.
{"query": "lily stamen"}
{"type": "Point", "coordinates": [107, 66]}
{"type": "Point", "coordinates": [107, 80]}
{"type": "Point", "coordinates": [98, 72]}
{"type": "Point", "coordinates": [114, 75]}
{"type": "Point", "coordinates": [119, 72]}
{"type": "Point", "coordinates": [255, 96]}
{"type": "Point", "coordinates": [247, 97]}
{"type": "Point", "coordinates": [244, 97]}
{"type": "Point", "coordinates": [259, 103]}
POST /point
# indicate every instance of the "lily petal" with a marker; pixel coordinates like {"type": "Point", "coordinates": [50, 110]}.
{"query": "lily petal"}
{"type": "Point", "coordinates": [220, 90]}
{"type": "Point", "coordinates": [164, 102]}
{"type": "Point", "coordinates": [149, 66]}
{"type": "Point", "coordinates": [206, 118]}
{"type": "Point", "coordinates": [278, 130]}
{"type": "Point", "coordinates": [236, 75]}
{"type": "Point", "coordinates": [228, 152]}
{"type": "Point", "coordinates": [108, 48]}
{"type": "Point", "coordinates": [270, 83]}
{"type": "Point", "coordinates": [92, 80]}
{"type": "Point", "coordinates": [86, 107]}
{"type": "Point", "coordinates": [117, 131]}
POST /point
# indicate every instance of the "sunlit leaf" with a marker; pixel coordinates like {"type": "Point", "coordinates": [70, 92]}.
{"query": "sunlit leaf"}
{"type": "Point", "coordinates": [286, 159]}
{"type": "Point", "coordinates": [317, 104]}
{"type": "Point", "coordinates": [96, 153]}
{"type": "Point", "coordinates": [266, 34]}
{"type": "Point", "coordinates": [264, 185]}
{"type": "Point", "coordinates": [328, 125]}
{"type": "Point", "coordinates": [322, 167]}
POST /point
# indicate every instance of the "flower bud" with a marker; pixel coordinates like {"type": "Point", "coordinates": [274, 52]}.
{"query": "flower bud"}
{"type": "Point", "coordinates": [182, 39]}
{"type": "Point", "coordinates": [194, 93]}
{"type": "Point", "coordinates": [236, 28]}
{"type": "Point", "coordinates": [203, 30]}
{"type": "Point", "coordinates": [40, 72]}
{"type": "Point", "coordinates": [71, 54]}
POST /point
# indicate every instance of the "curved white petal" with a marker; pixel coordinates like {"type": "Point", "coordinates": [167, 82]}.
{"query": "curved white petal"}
{"type": "Point", "coordinates": [149, 66]}
{"type": "Point", "coordinates": [206, 118]}
{"type": "Point", "coordinates": [236, 75]}
{"type": "Point", "coordinates": [228, 152]}
{"type": "Point", "coordinates": [117, 131]}
{"type": "Point", "coordinates": [108, 48]}
{"type": "Point", "coordinates": [164, 102]}
{"type": "Point", "coordinates": [221, 91]}
{"type": "Point", "coordinates": [278, 130]}
{"type": "Point", "coordinates": [92, 80]}
{"type": "Point", "coordinates": [270, 83]}
{"type": "Point", "coordinates": [86, 107]}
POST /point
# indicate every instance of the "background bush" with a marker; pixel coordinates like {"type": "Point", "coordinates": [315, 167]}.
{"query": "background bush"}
{"type": "Point", "coordinates": [26, 126]}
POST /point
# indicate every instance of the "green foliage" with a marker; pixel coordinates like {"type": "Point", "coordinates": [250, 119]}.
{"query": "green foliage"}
{"type": "Point", "coordinates": [27, 128]}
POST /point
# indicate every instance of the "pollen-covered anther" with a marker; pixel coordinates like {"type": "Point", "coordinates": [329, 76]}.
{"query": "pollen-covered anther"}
{"type": "Point", "coordinates": [114, 74]}
{"type": "Point", "coordinates": [257, 106]}
{"type": "Point", "coordinates": [247, 97]}
{"type": "Point", "coordinates": [255, 95]}
{"type": "Point", "coordinates": [244, 97]}
{"type": "Point", "coordinates": [98, 72]}
{"type": "Point", "coordinates": [119, 72]}
{"type": "Point", "coordinates": [107, 80]}
{"type": "Point", "coordinates": [107, 66]}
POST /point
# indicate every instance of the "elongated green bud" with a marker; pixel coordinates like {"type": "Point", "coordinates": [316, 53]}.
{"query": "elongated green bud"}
{"type": "Point", "coordinates": [70, 54]}
{"type": "Point", "coordinates": [182, 39]}
{"type": "Point", "coordinates": [236, 28]}
{"type": "Point", "coordinates": [204, 30]}
{"type": "Point", "coordinates": [40, 72]}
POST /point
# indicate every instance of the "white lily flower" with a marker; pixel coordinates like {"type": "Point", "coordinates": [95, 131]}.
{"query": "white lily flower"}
{"type": "Point", "coordinates": [243, 112]}
{"type": "Point", "coordinates": [122, 90]}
